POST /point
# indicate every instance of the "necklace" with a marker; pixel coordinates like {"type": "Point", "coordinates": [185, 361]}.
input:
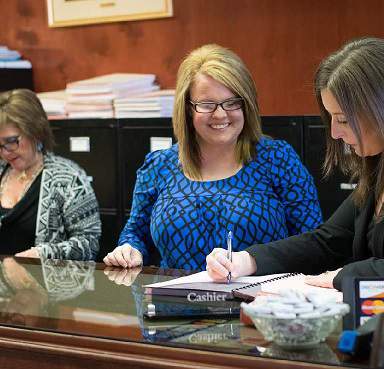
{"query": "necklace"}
{"type": "Point", "coordinates": [23, 177]}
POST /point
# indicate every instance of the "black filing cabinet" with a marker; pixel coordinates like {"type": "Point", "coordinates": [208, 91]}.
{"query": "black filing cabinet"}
{"type": "Point", "coordinates": [11, 78]}
{"type": "Point", "coordinates": [285, 128]}
{"type": "Point", "coordinates": [137, 138]}
{"type": "Point", "coordinates": [92, 143]}
{"type": "Point", "coordinates": [337, 187]}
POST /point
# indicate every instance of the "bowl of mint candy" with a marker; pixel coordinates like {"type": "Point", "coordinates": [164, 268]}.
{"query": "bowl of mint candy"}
{"type": "Point", "coordinates": [296, 320]}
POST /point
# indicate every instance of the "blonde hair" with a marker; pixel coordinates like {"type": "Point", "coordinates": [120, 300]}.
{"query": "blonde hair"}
{"type": "Point", "coordinates": [226, 67]}
{"type": "Point", "coordinates": [23, 109]}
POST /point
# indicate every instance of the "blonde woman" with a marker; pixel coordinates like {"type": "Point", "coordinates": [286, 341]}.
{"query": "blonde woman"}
{"type": "Point", "coordinates": [223, 175]}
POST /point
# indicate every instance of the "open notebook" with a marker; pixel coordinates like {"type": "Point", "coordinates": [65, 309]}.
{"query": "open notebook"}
{"type": "Point", "coordinates": [246, 288]}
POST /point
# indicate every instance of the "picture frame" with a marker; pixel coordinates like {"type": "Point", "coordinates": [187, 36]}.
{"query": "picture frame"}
{"type": "Point", "coordinates": [64, 13]}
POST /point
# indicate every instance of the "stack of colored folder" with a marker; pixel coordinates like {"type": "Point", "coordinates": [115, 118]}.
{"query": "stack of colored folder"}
{"type": "Point", "coordinates": [150, 105]}
{"type": "Point", "coordinates": [93, 98]}
{"type": "Point", "coordinates": [12, 59]}
{"type": "Point", "coordinates": [54, 104]}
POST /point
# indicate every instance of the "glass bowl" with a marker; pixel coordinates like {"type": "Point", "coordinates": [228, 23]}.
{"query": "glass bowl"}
{"type": "Point", "coordinates": [291, 333]}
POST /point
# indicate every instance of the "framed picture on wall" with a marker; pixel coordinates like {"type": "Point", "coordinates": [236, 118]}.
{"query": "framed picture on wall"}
{"type": "Point", "coordinates": [63, 13]}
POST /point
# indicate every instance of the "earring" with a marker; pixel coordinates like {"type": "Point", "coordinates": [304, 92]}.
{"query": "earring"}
{"type": "Point", "coordinates": [39, 146]}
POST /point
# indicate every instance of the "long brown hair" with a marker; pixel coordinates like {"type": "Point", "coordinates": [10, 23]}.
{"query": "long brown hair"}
{"type": "Point", "coordinates": [355, 76]}
{"type": "Point", "coordinates": [226, 67]}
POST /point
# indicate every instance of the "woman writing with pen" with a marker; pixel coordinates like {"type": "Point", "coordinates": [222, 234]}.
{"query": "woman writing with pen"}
{"type": "Point", "coordinates": [349, 87]}
{"type": "Point", "coordinates": [223, 175]}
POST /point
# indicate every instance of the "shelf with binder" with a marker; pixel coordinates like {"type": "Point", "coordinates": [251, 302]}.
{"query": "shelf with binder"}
{"type": "Point", "coordinates": [11, 78]}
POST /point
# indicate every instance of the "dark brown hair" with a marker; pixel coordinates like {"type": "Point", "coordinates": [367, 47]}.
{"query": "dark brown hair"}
{"type": "Point", "coordinates": [355, 76]}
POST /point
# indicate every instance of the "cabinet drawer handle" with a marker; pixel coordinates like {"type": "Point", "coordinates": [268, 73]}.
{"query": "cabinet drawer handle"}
{"type": "Point", "coordinates": [348, 186]}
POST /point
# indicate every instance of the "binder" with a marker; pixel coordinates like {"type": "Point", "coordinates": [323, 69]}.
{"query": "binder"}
{"type": "Point", "coordinates": [200, 287]}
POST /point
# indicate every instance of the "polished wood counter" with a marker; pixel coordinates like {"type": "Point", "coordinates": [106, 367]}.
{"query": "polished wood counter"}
{"type": "Point", "coordinates": [66, 314]}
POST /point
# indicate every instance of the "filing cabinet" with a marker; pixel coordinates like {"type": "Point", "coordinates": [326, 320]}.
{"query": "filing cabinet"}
{"type": "Point", "coordinates": [111, 226]}
{"type": "Point", "coordinates": [92, 143]}
{"type": "Point", "coordinates": [333, 190]}
{"type": "Point", "coordinates": [288, 128]}
{"type": "Point", "coordinates": [11, 78]}
{"type": "Point", "coordinates": [136, 138]}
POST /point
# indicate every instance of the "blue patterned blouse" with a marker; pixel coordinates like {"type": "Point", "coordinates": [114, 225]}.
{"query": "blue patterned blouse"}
{"type": "Point", "coordinates": [270, 198]}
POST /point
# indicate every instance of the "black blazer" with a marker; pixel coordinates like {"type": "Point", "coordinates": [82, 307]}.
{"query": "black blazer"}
{"type": "Point", "coordinates": [339, 242]}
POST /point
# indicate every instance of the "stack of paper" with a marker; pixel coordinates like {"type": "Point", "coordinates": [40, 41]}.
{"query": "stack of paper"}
{"type": "Point", "coordinates": [54, 104]}
{"type": "Point", "coordinates": [93, 98]}
{"type": "Point", "coordinates": [150, 105]}
{"type": "Point", "coordinates": [12, 59]}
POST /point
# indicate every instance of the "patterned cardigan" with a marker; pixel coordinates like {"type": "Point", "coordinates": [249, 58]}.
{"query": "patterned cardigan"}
{"type": "Point", "coordinates": [68, 222]}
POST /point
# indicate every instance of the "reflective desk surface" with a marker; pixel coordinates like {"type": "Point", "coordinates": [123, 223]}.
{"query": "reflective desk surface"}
{"type": "Point", "coordinates": [72, 314]}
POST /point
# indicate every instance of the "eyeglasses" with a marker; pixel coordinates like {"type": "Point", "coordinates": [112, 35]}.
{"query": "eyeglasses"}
{"type": "Point", "coordinates": [210, 107]}
{"type": "Point", "coordinates": [11, 143]}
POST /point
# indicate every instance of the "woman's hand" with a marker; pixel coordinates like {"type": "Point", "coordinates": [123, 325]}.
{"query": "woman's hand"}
{"type": "Point", "coordinates": [30, 253]}
{"type": "Point", "coordinates": [323, 279]}
{"type": "Point", "coordinates": [218, 265]}
{"type": "Point", "coordinates": [125, 256]}
{"type": "Point", "coordinates": [17, 276]}
{"type": "Point", "coordinates": [122, 276]}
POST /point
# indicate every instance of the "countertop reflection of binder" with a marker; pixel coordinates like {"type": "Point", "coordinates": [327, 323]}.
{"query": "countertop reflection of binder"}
{"type": "Point", "coordinates": [200, 287]}
{"type": "Point", "coordinates": [152, 311]}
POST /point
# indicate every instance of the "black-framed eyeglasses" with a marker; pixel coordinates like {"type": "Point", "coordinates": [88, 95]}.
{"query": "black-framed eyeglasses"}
{"type": "Point", "coordinates": [11, 143]}
{"type": "Point", "coordinates": [210, 107]}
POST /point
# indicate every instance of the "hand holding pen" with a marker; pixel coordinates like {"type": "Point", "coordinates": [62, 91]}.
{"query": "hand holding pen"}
{"type": "Point", "coordinates": [229, 254]}
{"type": "Point", "coordinates": [223, 264]}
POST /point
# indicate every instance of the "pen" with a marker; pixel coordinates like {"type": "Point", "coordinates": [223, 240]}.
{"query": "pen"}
{"type": "Point", "coordinates": [229, 253]}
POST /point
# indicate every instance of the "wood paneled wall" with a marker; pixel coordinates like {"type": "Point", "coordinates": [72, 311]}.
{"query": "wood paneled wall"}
{"type": "Point", "coordinates": [281, 41]}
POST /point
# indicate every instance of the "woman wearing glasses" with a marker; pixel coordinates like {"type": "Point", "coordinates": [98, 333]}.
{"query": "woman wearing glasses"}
{"type": "Point", "coordinates": [47, 205]}
{"type": "Point", "coordinates": [223, 175]}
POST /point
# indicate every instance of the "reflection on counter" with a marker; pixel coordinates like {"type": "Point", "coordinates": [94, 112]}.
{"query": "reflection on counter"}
{"type": "Point", "coordinates": [122, 276]}
{"type": "Point", "coordinates": [29, 291]}
{"type": "Point", "coordinates": [86, 299]}
{"type": "Point", "coordinates": [205, 332]}
{"type": "Point", "coordinates": [321, 353]}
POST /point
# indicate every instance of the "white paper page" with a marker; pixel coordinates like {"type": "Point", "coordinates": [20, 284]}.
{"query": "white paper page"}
{"type": "Point", "coordinates": [193, 278]}
{"type": "Point", "coordinates": [259, 279]}
{"type": "Point", "coordinates": [204, 277]}
{"type": "Point", "coordinates": [297, 282]}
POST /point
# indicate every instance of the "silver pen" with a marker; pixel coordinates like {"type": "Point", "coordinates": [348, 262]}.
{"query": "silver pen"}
{"type": "Point", "coordinates": [229, 253]}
